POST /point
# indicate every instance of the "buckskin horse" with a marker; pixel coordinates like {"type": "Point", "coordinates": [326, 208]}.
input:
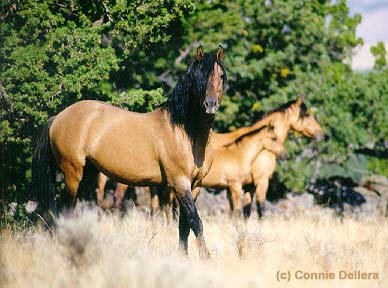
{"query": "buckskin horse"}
{"type": "Point", "coordinates": [292, 115]}
{"type": "Point", "coordinates": [169, 146]}
{"type": "Point", "coordinates": [231, 168]}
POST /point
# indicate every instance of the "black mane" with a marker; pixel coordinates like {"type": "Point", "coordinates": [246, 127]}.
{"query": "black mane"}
{"type": "Point", "coordinates": [250, 133]}
{"type": "Point", "coordinates": [282, 108]}
{"type": "Point", "coordinates": [185, 101]}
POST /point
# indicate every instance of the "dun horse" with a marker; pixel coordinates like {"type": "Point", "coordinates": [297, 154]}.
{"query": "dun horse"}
{"type": "Point", "coordinates": [289, 116]}
{"type": "Point", "coordinates": [232, 163]}
{"type": "Point", "coordinates": [169, 146]}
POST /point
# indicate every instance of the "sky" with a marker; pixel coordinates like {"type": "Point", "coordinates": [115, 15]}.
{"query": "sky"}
{"type": "Point", "coordinates": [373, 28]}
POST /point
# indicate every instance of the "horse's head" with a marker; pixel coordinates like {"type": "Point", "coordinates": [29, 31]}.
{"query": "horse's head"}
{"type": "Point", "coordinates": [209, 78]}
{"type": "Point", "coordinates": [306, 123]}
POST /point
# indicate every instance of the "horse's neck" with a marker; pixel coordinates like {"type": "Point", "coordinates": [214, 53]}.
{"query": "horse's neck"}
{"type": "Point", "coordinates": [281, 125]}
{"type": "Point", "coordinates": [199, 131]}
{"type": "Point", "coordinates": [280, 120]}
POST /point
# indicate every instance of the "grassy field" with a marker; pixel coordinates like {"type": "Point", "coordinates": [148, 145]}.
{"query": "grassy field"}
{"type": "Point", "coordinates": [100, 250]}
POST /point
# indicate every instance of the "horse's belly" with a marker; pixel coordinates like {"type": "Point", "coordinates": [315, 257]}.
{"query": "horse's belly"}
{"type": "Point", "coordinates": [214, 182]}
{"type": "Point", "coordinates": [132, 170]}
{"type": "Point", "coordinates": [217, 176]}
{"type": "Point", "coordinates": [131, 161]}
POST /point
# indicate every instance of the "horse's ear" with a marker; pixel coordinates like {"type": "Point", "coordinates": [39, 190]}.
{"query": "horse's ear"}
{"type": "Point", "coordinates": [300, 100]}
{"type": "Point", "coordinates": [220, 53]}
{"type": "Point", "coordinates": [199, 55]}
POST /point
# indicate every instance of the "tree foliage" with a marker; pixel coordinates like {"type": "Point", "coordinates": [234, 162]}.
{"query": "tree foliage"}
{"type": "Point", "coordinates": [131, 53]}
{"type": "Point", "coordinates": [54, 53]}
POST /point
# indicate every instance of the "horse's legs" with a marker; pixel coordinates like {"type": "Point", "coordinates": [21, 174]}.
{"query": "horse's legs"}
{"type": "Point", "coordinates": [229, 195]}
{"type": "Point", "coordinates": [235, 194]}
{"type": "Point", "coordinates": [261, 192]}
{"type": "Point", "coordinates": [189, 218]}
{"type": "Point", "coordinates": [175, 206]}
{"type": "Point", "coordinates": [89, 180]}
{"type": "Point", "coordinates": [248, 195]}
{"type": "Point", "coordinates": [196, 192]}
{"type": "Point", "coordinates": [119, 194]}
{"type": "Point", "coordinates": [184, 228]}
{"type": "Point", "coordinates": [154, 200]}
{"type": "Point", "coordinates": [102, 178]}
{"type": "Point", "coordinates": [168, 203]}
{"type": "Point", "coordinates": [73, 176]}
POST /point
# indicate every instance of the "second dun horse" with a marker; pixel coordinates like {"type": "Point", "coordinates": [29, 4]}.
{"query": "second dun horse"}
{"type": "Point", "coordinates": [169, 146]}
{"type": "Point", "coordinates": [232, 163]}
{"type": "Point", "coordinates": [292, 115]}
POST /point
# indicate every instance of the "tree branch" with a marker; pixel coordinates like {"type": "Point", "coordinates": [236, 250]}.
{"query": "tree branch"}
{"type": "Point", "coordinates": [107, 14]}
{"type": "Point", "coordinates": [182, 55]}
{"type": "Point", "coordinates": [58, 92]}
{"type": "Point", "coordinates": [12, 8]}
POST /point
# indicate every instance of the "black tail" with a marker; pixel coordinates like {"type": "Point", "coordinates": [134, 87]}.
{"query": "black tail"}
{"type": "Point", "coordinates": [44, 174]}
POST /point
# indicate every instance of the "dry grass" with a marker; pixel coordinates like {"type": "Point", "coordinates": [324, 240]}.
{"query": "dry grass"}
{"type": "Point", "coordinates": [99, 250]}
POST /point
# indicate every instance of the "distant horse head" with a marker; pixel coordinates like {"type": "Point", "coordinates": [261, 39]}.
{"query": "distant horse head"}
{"type": "Point", "coordinates": [305, 122]}
{"type": "Point", "coordinates": [200, 91]}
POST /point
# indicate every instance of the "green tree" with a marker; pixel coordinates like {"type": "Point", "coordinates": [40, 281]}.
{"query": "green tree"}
{"type": "Point", "coordinates": [55, 53]}
{"type": "Point", "coordinates": [380, 54]}
{"type": "Point", "coordinates": [130, 53]}
{"type": "Point", "coordinates": [279, 50]}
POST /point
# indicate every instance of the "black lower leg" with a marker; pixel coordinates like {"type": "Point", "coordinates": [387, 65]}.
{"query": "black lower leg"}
{"type": "Point", "coordinates": [247, 210]}
{"type": "Point", "coordinates": [184, 229]}
{"type": "Point", "coordinates": [89, 181]}
{"type": "Point", "coordinates": [259, 208]}
{"type": "Point", "coordinates": [187, 206]}
{"type": "Point", "coordinates": [67, 202]}
{"type": "Point", "coordinates": [189, 212]}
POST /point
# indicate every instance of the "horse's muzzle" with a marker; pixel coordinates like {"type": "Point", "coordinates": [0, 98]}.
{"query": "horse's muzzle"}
{"type": "Point", "coordinates": [211, 105]}
{"type": "Point", "coordinates": [318, 137]}
{"type": "Point", "coordinates": [283, 155]}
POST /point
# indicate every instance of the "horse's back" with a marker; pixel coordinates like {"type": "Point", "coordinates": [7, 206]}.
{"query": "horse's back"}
{"type": "Point", "coordinates": [88, 121]}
